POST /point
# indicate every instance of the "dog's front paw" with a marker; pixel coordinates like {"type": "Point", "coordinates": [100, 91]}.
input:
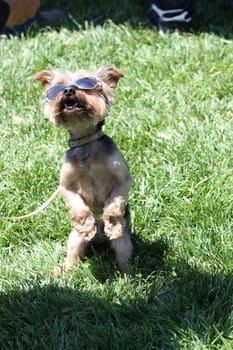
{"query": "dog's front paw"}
{"type": "Point", "coordinates": [79, 214]}
{"type": "Point", "coordinates": [116, 208]}
{"type": "Point", "coordinates": [114, 227]}
{"type": "Point", "coordinates": [87, 228]}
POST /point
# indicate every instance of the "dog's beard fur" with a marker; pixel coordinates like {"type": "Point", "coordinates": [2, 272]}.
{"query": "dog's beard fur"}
{"type": "Point", "coordinates": [94, 180]}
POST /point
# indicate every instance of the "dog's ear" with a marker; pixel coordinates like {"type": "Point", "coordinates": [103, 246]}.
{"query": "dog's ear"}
{"type": "Point", "coordinates": [45, 77]}
{"type": "Point", "coordinates": [110, 76]}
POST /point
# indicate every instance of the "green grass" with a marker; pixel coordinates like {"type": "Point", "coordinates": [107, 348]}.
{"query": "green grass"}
{"type": "Point", "coordinates": [173, 120]}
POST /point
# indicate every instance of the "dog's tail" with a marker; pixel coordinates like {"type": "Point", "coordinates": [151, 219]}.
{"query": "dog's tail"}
{"type": "Point", "coordinates": [36, 211]}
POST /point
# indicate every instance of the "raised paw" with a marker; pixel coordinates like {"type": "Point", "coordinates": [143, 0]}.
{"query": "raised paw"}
{"type": "Point", "coordinates": [114, 227]}
{"type": "Point", "coordinates": [115, 208]}
{"type": "Point", "coordinates": [87, 230]}
{"type": "Point", "coordinates": [79, 214]}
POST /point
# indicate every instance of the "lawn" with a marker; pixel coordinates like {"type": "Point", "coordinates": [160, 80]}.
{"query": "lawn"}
{"type": "Point", "coordinates": [172, 119]}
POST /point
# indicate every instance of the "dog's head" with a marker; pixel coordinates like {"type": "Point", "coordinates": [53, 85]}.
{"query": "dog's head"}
{"type": "Point", "coordinates": [78, 100]}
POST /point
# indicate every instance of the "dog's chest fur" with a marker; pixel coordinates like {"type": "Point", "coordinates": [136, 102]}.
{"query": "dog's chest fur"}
{"type": "Point", "coordinates": [92, 170]}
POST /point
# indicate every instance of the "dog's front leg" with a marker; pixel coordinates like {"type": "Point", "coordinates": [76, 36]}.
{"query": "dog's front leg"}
{"type": "Point", "coordinates": [113, 216]}
{"type": "Point", "coordinates": [80, 214]}
{"type": "Point", "coordinates": [114, 210]}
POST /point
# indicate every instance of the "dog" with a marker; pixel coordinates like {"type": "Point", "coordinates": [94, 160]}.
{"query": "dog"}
{"type": "Point", "coordinates": [94, 179]}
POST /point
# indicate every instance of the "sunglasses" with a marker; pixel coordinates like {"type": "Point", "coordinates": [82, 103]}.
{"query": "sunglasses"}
{"type": "Point", "coordinates": [88, 83]}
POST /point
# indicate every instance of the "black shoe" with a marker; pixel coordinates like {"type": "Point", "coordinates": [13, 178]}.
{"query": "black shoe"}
{"type": "Point", "coordinates": [50, 18]}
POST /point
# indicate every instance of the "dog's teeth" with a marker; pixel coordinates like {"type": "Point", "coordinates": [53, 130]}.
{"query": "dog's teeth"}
{"type": "Point", "coordinates": [68, 106]}
{"type": "Point", "coordinates": [71, 106]}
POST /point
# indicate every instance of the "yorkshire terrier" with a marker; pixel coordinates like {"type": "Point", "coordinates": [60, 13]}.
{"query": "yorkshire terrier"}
{"type": "Point", "coordinates": [94, 180]}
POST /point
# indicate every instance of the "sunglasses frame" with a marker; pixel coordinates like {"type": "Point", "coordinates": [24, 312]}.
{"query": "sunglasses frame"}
{"type": "Point", "coordinates": [53, 91]}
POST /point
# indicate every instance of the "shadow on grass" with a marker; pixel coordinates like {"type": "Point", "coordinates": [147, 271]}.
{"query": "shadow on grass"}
{"type": "Point", "coordinates": [147, 259]}
{"type": "Point", "coordinates": [209, 16]}
{"type": "Point", "coordinates": [213, 17]}
{"type": "Point", "coordinates": [193, 305]}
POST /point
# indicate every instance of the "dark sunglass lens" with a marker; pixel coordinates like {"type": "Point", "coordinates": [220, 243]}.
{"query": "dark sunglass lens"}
{"type": "Point", "coordinates": [86, 83]}
{"type": "Point", "coordinates": [52, 93]}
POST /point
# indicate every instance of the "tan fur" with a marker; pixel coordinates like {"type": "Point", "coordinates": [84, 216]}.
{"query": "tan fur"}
{"type": "Point", "coordinates": [94, 179]}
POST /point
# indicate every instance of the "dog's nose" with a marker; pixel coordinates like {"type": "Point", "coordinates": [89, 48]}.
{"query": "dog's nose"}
{"type": "Point", "coordinates": [69, 91]}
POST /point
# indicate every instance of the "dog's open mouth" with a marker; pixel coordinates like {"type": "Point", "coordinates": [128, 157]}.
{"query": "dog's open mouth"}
{"type": "Point", "coordinates": [71, 105]}
{"type": "Point", "coordinates": [75, 106]}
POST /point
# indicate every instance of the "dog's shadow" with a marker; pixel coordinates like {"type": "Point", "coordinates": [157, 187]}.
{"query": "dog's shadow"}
{"type": "Point", "coordinates": [148, 258]}
{"type": "Point", "coordinates": [148, 255]}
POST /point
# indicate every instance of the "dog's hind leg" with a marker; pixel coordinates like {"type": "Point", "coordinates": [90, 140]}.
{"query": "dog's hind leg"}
{"type": "Point", "coordinates": [123, 248]}
{"type": "Point", "coordinates": [76, 247]}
